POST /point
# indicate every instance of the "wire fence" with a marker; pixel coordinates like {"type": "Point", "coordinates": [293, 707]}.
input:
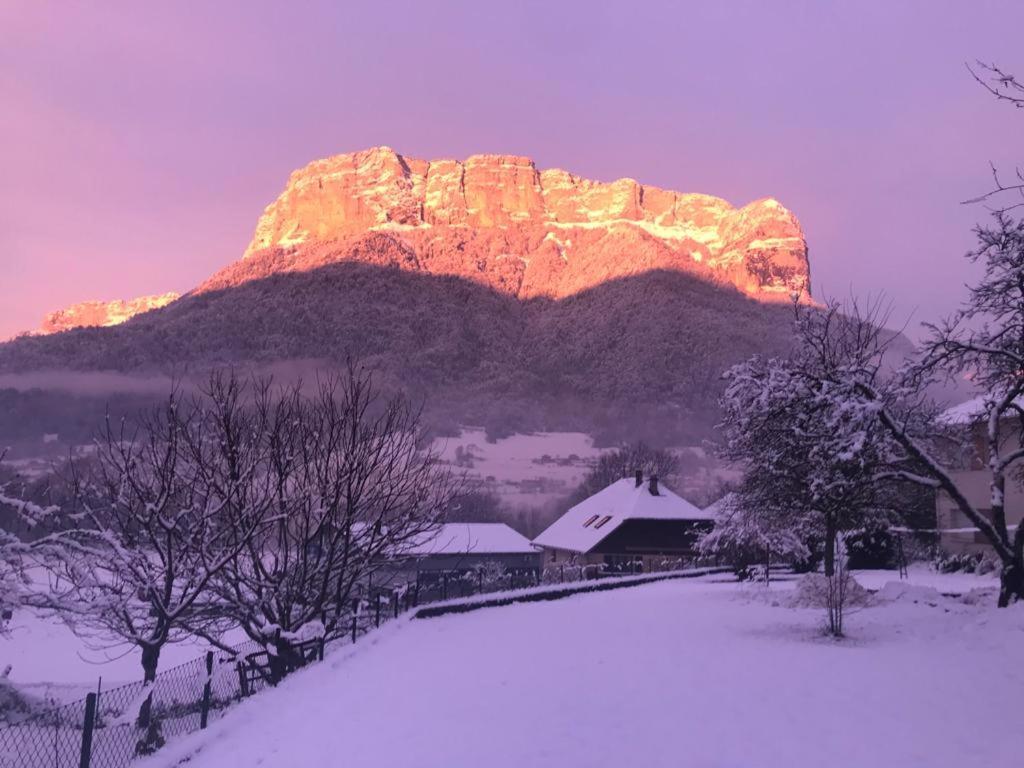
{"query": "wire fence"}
{"type": "Point", "coordinates": [105, 729]}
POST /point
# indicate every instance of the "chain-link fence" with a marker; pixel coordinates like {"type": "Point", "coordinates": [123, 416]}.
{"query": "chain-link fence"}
{"type": "Point", "coordinates": [113, 727]}
{"type": "Point", "coordinates": [104, 729]}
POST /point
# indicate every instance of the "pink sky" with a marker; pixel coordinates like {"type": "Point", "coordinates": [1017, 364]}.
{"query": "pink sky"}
{"type": "Point", "coordinates": [140, 141]}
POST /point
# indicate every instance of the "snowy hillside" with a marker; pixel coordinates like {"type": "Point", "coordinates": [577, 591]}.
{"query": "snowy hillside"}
{"type": "Point", "coordinates": [677, 673]}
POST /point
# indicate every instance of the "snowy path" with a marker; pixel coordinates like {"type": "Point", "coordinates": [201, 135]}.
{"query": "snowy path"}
{"type": "Point", "coordinates": [670, 674]}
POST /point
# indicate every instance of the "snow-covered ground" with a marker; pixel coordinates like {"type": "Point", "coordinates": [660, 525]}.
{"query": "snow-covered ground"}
{"type": "Point", "coordinates": [922, 575]}
{"type": "Point", "coordinates": [680, 673]}
{"type": "Point", "coordinates": [47, 658]}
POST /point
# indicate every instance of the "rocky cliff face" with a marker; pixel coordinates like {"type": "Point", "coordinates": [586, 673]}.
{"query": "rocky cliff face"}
{"type": "Point", "coordinates": [89, 314]}
{"type": "Point", "coordinates": [498, 220]}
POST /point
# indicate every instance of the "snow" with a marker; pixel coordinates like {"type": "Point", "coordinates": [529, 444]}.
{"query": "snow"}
{"type": "Point", "coordinates": [716, 509]}
{"type": "Point", "coordinates": [472, 538]}
{"type": "Point", "coordinates": [620, 501]}
{"type": "Point", "coordinates": [678, 673]}
{"type": "Point", "coordinates": [923, 576]}
{"type": "Point", "coordinates": [969, 411]}
{"type": "Point", "coordinates": [47, 658]}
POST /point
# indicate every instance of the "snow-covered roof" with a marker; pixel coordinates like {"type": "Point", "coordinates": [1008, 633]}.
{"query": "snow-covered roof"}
{"type": "Point", "coordinates": [472, 539]}
{"type": "Point", "coordinates": [969, 411]}
{"type": "Point", "coordinates": [717, 509]}
{"type": "Point", "coordinates": [584, 526]}
{"type": "Point", "coordinates": [965, 412]}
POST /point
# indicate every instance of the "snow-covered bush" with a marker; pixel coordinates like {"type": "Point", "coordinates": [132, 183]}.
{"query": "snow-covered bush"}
{"type": "Point", "coordinates": [562, 573]}
{"type": "Point", "coordinates": [489, 576]}
{"type": "Point", "coordinates": [957, 562]}
{"type": "Point", "coordinates": [874, 547]}
{"type": "Point", "coordinates": [816, 590]}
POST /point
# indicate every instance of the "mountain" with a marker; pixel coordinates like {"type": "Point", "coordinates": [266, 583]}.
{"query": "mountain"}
{"type": "Point", "coordinates": [508, 297]}
{"type": "Point", "coordinates": [88, 314]}
{"type": "Point", "coordinates": [497, 220]}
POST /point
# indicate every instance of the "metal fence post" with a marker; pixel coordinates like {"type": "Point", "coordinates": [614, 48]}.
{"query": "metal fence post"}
{"type": "Point", "coordinates": [355, 617]}
{"type": "Point", "coordinates": [87, 726]}
{"type": "Point", "coordinates": [323, 637]}
{"type": "Point", "coordinates": [243, 681]}
{"type": "Point", "coordinates": [376, 612]}
{"type": "Point", "coordinates": [394, 596]}
{"type": "Point", "coordinates": [205, 714]}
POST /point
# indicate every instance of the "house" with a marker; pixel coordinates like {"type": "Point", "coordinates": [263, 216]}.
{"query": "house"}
{"type": "Point", "coordinates": [957, 534]}
{"type": "Point", "coordinates": [632, 524]}
{"type": "Point", "coordinates": [461, 547]}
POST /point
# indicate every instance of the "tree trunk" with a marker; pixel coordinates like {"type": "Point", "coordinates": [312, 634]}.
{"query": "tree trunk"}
{"type": "Point", "coordinates": [830, 547]}
{"type": "Point", "coordinates": [151, 739]}
{"type": "Point", "coordinates": [150, 659]}
{"type": "Point", "coordinates": [1011, 582]}
{"type": "Point", "coordinates": [282, 661]}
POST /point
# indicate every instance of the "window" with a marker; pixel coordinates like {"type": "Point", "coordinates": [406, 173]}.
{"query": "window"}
{"type": "Point", "coordinates": [603, 520]}
{"type": "Point", "coordinates": [592, 519]}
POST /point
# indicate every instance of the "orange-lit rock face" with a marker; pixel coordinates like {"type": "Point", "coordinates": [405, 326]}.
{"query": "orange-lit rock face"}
{"type": "Point", "coordinates": [500, 221]}
{"type": "Point", "coordinates": [102, 313]}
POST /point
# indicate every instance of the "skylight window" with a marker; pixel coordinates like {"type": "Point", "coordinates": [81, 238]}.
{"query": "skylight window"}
{"type": "Point", "coordinates": [592, 519]}
{"type": "Point", "coordinates": [603, 520]}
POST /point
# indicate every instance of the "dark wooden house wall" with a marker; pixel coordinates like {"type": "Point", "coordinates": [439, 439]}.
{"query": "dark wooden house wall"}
{"type": "Point", "coordinates": [654, 537]}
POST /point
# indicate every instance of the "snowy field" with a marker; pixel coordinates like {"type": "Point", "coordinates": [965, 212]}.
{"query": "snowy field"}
{"type": "Point", "coordinates": [48, 660]}
{"type": "Point", "coordinates": [679, 673]}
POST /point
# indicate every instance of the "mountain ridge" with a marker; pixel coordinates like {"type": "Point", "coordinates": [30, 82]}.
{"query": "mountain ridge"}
{"type": "Point", "coordinates": [500, 221]}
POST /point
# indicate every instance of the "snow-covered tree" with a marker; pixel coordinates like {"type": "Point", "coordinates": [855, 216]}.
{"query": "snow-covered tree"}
{"type": "Point", "coordinates": [15, 586]}
{"type": "Point", "coordinates": [1007, 193]}
{"type": "Point", "coordinates": [745, 536]}
{"type": "Point", "coordinates": [144, 534]}
{"type": "Point", "coordinates": [816, 456]}
{"type": "Point", "coordinates": [984, 342]}
{"type": "Point", "coordinates": [837, 365]}
{"type": "Point", "coordinates": [353, 489]}
{"type": "Point", "coordinates": [810, 448]}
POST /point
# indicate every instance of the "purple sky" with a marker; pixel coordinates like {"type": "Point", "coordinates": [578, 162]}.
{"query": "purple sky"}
{"type": "Point", "coordinates": [140, 141]}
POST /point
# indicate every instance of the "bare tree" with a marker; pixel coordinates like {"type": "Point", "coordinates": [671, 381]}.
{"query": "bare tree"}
{"type": "Point", "coordinates": [352, 489]}
{"type": "Point", "coordinates": [1005, 87]}
{"type": "Point", "coordinates": [623, 462]}
{"type": "Point", "coordinates": [984, 342]}
{"type": "Point", "coordinates": [147, 534]}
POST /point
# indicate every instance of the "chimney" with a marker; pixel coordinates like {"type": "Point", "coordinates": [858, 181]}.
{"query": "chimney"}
{"type": "Point", "coordinates": [653, 486]}
{"type": "Point", "coordinates": [639, 478]}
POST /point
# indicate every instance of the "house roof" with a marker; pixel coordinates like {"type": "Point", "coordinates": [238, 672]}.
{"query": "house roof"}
{"type": "Point", "coordinates": [471, 539]}
{"type": "Point", "coordinates": [970, 411]}
{"type": "Point", "coordinates": [584, 526]}
{"type": "Point", "coordinates": [716, 509]}
{"type": "Point", "coordinates": [965, 412]}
